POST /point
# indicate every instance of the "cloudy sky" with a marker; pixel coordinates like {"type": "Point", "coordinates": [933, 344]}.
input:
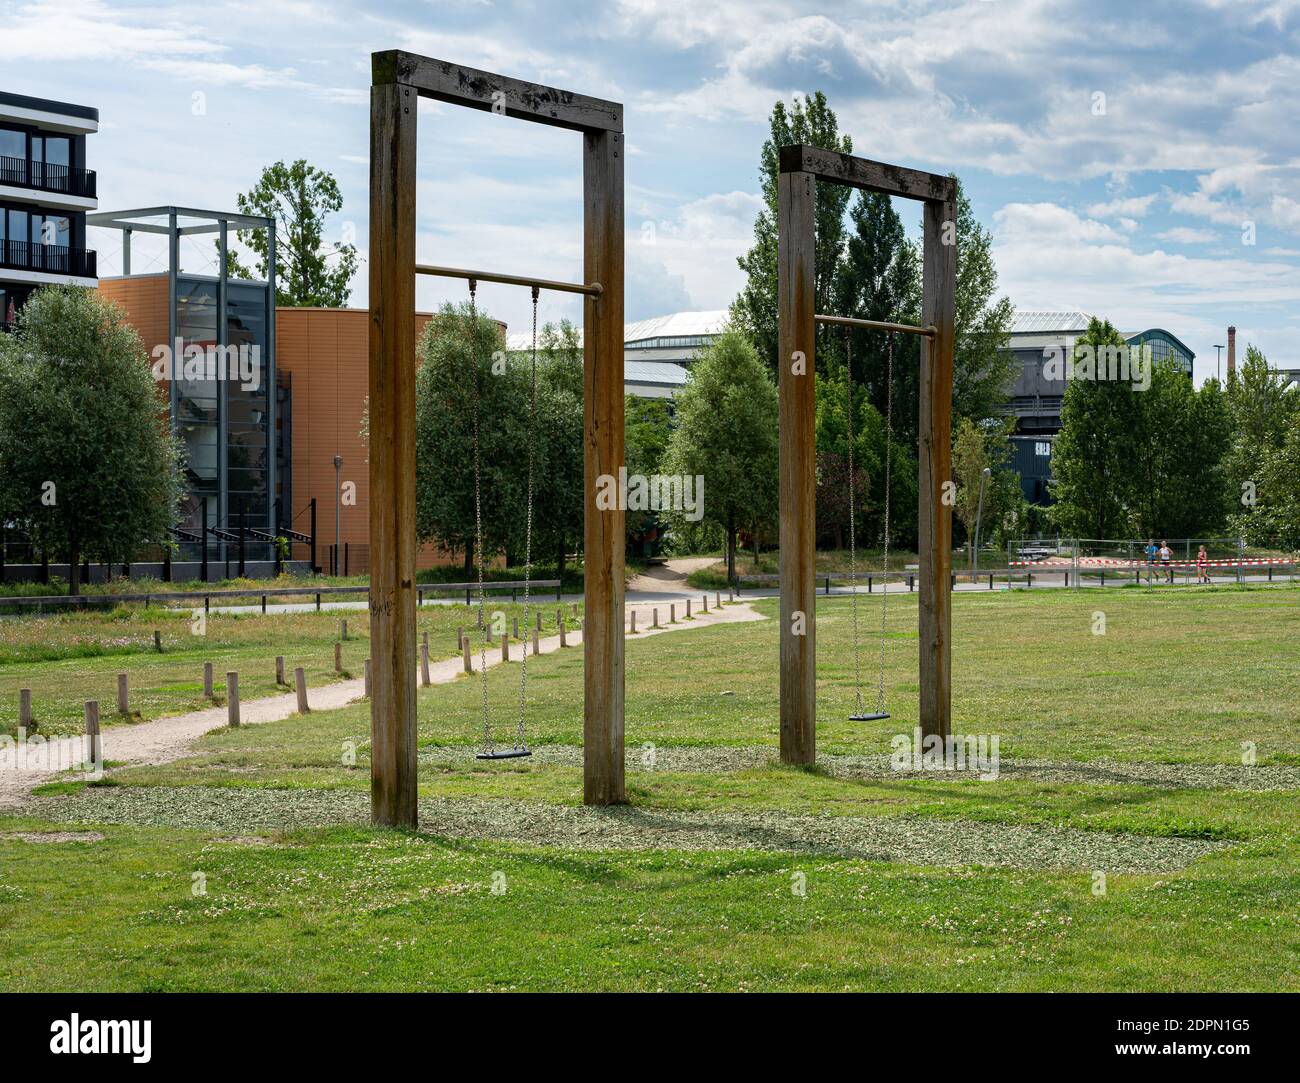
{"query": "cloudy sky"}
{"type": "Point", "coordinates": [1137, 160]}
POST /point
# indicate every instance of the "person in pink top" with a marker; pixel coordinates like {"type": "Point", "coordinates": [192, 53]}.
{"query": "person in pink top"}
{"type": "Point", "coordinates": [1202, 566]}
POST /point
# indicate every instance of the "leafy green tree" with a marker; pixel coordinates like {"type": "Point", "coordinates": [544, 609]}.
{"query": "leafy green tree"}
{"type": "Point", "coordinates": [647, 423]}
{"type": "Point", "coordinates": [727, 432]}
{"type": "Point", "coordinates": [88, 464]}
{"type": "Point", "coordinates": [310, 272]}
{"type": "Point", "coordinates": [456, 355]}
{"type": "Point", "coordinates": [976, 448]}
{"type": "Point", "coordinates": [1091, 458]}
{"type": "Point", "coordinates": [814, 123]}
{"type": "Point", "coordinates": [1262, 407]}
{"type": "Point", "coordinates": [557, 516]}
{"type": "Point", "coordinates": [1274, 518]}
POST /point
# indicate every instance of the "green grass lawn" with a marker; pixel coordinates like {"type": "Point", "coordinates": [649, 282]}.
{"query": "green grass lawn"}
{"type": "Point", "coordinates": [69, 658]}
{"type": "Point", "coordinates": [1125, 845]}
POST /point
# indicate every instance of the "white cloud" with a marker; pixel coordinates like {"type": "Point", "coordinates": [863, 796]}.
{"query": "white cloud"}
{"type": "Point", "coordinates": [1132, 207]}
{"type": "Point", "coordinates": [1187, 235]}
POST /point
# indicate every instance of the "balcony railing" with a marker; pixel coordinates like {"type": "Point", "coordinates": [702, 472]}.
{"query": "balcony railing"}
{"type": "Point", "coordinates": [46, 177]}
{"type": "Point", "coordinates": [56, 259]}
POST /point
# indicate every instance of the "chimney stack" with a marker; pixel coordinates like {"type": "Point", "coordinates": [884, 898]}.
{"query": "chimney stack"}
{"type": "Point", "coordinates": [1232, 351]}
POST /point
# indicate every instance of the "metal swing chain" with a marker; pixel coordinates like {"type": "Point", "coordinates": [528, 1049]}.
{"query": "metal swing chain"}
{"type": "Point", "coordinates": [889, 440]}
{"type": "Point", "coordinates": [853, 541]}
{"type": "Point", "coordinates": [488, 747]}
{"type": "Point", "coordinates": [520, 735]}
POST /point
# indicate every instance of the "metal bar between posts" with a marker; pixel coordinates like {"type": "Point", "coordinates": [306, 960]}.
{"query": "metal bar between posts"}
{"type": "Point", "coordinates": [878, 325]}
{"type": "Point", "coordinates": [592, 290]}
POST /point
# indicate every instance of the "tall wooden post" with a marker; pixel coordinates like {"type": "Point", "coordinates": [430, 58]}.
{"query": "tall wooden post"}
{"type": "Point", "coordinates": [603, 538]}
{"type": "Point", "coordinates": [392, 454]}
{"type": "Point", "coordinates": [796, 358]}
{"type": "Point", "coordinates": [935, 469]}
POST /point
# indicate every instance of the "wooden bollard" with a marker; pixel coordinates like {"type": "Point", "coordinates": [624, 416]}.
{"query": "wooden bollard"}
{"type": "Point", "coordinates": [338, 657]}
{"type": "Point", "coordinates": [465, 652]}
{"type": "Point", "coordinates": [279, 669]}
{"type": "Point", "coordinates": [157, 640]}
{"type": "Point", "coordinates": [672, 613]}
{"type": "Point", "coordinates": [537, 640]}
{"type": "Point", "coordinates": [505, 648]}
{"type": "Point", "coordinates": [575, 610]}
{"type": "Point", "coordinates": [207, 680]}
{"type": "Point", "coordinates": [704, 603]}
{"type": "Point", "coordinates": [24, 711]}
{"type": "Point", "coordinates": [632, 613]}
{"type": "Point", "coordinates": [563, 640]}
{"type": "Point", "coordinates": [367, 678]}
{"type": "Point", "coordinates": [539, 621]}
{"type": "Point", "coordinates": [424, 665]}
{"type": "Point", "coordinates": [654, 622]}
{"type": "Point", "coordinates": [232, 698]}
{"type": "Point", "coordinates": [516, 627]}
{"type": "Point", "coordinates": [300, 681]}
{"type": "Point", "coordinates": [343, 629]}
{"type": "Point", "coordinates": [717, 599]}
{"type": "Point", "coordinates": [94, 750]}
{"type": "Point", "coordinates": [123, 695]}
{"type": "Point", "coordinates": [688, 609]}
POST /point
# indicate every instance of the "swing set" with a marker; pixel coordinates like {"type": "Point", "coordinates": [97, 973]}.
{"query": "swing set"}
{"type": "Point", "coordinates": [399, 80]}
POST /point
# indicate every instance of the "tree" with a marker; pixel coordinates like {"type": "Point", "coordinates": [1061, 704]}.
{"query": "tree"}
{"type": "Point", "coordinates": [1263, 408]}
{"type": "Point", "coordinates": [88, 463]}
{"type": "Point", "coordinates": [1090, 457]}
{"type": "Point", "coordinates": [557, 515]}
{"type": "Point", "coordinates": [647, 424]}
{"type": "Point", "coordinates": [814, 123]}
{"type": "Point", "coordinates": [975, 449]}
{"type": "Point", "coordinates": [1274, 518]}
{"type": "Point", "coordinates": [727, 433]}
{"type": "Point", "coordinates": [456, 355]}
{"type": "Point", "coordinates": [309, 271]}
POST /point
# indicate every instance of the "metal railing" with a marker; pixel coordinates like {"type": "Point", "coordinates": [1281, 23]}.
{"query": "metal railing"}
{"type": "Point", "coordinates": [53, 258]}
{"type": "Point", "coordinates": [47, 177]}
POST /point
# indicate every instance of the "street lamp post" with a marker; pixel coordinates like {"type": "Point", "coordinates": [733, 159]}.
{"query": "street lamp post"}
{"type": "Point", "coordinates": [979, 514]}
{"type": "Point", "coordinates": [338, 499]}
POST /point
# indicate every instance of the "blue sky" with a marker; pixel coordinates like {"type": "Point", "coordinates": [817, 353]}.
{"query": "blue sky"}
{"type": "Point", "coordinates": [1138, 205]}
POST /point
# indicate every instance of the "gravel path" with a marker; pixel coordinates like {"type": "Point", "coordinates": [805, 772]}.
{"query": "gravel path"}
{"type": "Point", "coordinates": [722, 759]}
{"type": "Point", "coordinates": [909, 840]}
{"type": "Point", "coordinates": [165, 739]}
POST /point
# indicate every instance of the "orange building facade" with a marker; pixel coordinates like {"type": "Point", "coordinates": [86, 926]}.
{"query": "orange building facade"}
{"type": "Point", "coordinates": [321, 363]}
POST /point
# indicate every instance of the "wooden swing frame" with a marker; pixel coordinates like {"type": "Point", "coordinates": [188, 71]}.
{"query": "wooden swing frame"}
{"type": "Point", "coordinates": [801, 167]}
{"type": "Point", "coordinates": [399, 80]}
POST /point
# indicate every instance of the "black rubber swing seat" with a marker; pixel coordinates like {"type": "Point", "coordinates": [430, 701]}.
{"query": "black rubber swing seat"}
{"type": "Point", "coordinates": [875, 717]}
{"type": "Point", "coordinates": [505, 754]}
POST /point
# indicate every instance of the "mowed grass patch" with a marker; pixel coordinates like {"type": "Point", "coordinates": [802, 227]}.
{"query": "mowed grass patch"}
{"type": "Point", "coordinates": [351, 908]}
{"type": "Point", "coordinates": [69, 658]}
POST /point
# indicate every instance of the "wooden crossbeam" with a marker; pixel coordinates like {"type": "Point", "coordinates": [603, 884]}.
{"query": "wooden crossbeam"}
{"type": "Point", "coordinates": [458, 85]}
{"type": "Point", "coordinates": [893, 180]}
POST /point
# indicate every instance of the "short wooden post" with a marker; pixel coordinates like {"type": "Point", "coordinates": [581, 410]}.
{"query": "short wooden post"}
{"type": "Point", "coordinates": [632, 613]}
{"type": "Point", "coordinates": [516, 627]}
{"type": "Point", "coordinates": [537, 641]}
{"type": "Point", "coordinates": [123, 695]}
{"type": "Point", "coordinates": [207, 680]}
{"type": "Point", "coordinates": [94, 750]}
{"type": "Point", "coordinates": [300, 681]}
{"type": "Point", "coordinates": [564, 642]}
{"type": "Point", "coordinates": [505, 647]}
{"type": "Point", "coordinates": [672, 613]}
{"type": "Point", "coordinates": [717, 600]}
{"type": "Point", "coordinates": [465, 653]}
{"type": "Point", "coordinates": [232, 698]}
{"type": "Point", "coordinates": [24, 709]}
{"type": "Point", "coordinates": [367, 678]}
{"type": "Point", "coordinates": [424, 665]}
{"type": "Point", "coordinates": [279, 669]}
{"type": "Point", "coordinates": [559, 617]}
{"type": "Point", "coordinates": [704, 603]}
{"type": "Point", "coordinates": [688, 609]}
{"type": "Point", "coordinates": [539, 620]}
{"type": "Point", "coordinates": [338, 657]}
{"type": "Point", "coordinates": [575, 610]}
{"type": "Point", "coordinates": [654, 620]}
{"type": "Point", "coordinates": [157, 640]}
{"type": "Point", "coordinates": [343, 629]}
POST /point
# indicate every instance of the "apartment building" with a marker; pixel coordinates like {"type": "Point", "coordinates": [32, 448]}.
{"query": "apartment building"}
{"type": "Point", "coordinates": [45, 192]}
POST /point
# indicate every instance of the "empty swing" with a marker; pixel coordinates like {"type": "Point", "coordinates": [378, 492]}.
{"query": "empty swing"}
{"type": "Point", "coordinates": [489, 749]}
{"type": "Point", "coordinates": [861, 714]}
